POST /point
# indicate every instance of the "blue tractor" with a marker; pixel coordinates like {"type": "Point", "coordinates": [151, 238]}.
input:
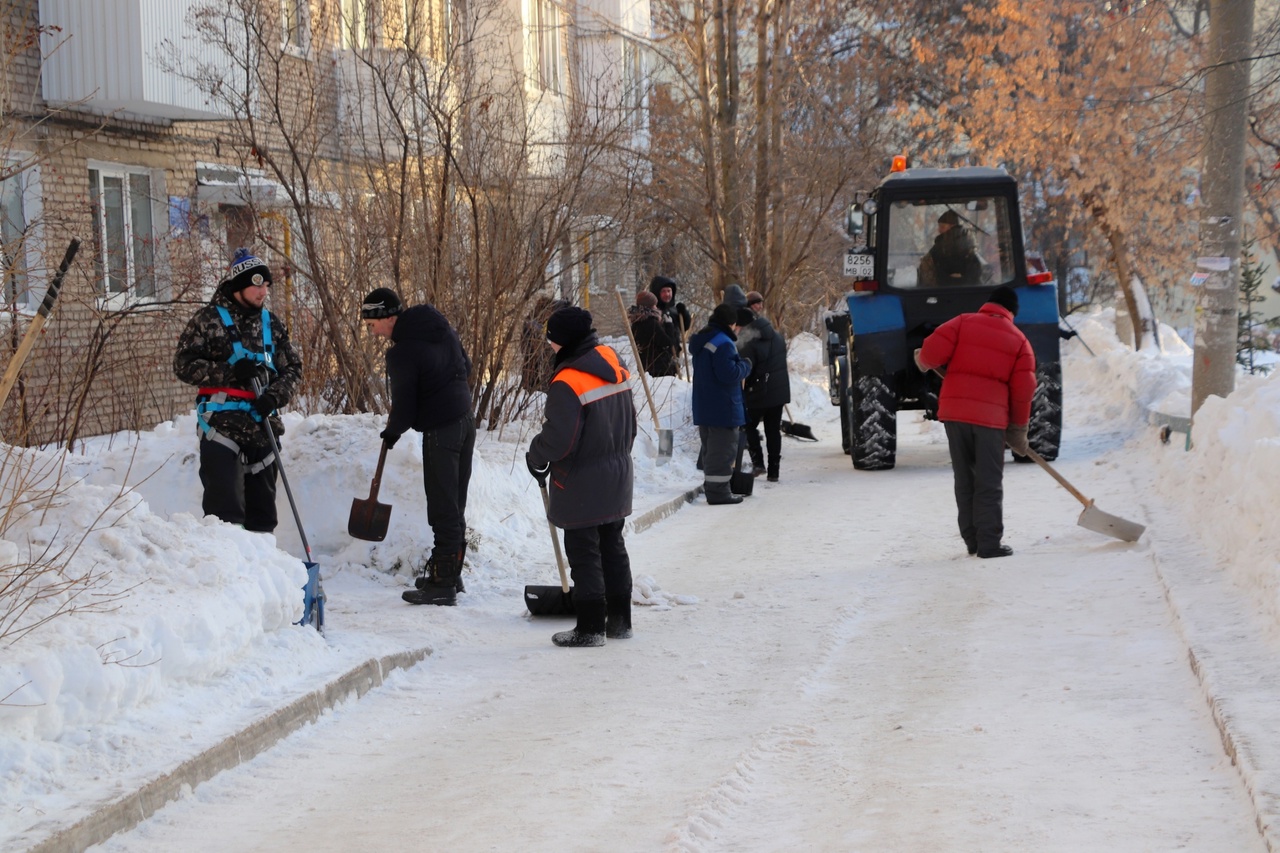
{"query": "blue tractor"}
{"type": "Point", "coordinates": [933, 243]}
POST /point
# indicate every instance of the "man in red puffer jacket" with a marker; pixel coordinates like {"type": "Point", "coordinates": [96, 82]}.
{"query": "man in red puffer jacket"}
{"type": "Point", "coordinates": [985, 402]}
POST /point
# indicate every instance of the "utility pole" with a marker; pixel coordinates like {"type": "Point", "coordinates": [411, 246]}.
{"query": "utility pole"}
{"type": "Point", "coordinates": [1222, 198]}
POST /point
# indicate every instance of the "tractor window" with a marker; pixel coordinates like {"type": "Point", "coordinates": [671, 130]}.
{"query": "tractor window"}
{"type": "Point", "coordinates": [958, 242]}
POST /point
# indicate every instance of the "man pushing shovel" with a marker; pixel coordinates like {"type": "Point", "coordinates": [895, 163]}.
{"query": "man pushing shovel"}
{"type": "Point", "coordinates": [985, 403]}
{"type": "Point", "coordinates": [583, 455]}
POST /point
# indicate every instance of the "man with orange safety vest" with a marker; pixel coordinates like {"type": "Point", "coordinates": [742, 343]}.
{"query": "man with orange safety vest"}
{"type": "Point", "coordinates": [583, 456]}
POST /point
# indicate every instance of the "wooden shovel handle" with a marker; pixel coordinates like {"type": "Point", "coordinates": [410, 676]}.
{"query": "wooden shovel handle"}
{"type": "Point", "coordinates": [555, 539]}
{"type": "Point", "coordinates": [37, 323]}
{"type": "Point", "coordinates": [657, 425]}
{"type": "Point", "coordinates": [1062, 481]}
{"type": "Point", "coordinates": [377, 475]}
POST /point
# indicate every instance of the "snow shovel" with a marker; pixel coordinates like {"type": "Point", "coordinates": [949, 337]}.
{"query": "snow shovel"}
{"type": "Point", "coordinates": [33, 331]}
{"type": "Point", "coordinates": [1093, 518]}
{"type": "Point", "coordinates": [550, 600]}
{"type": "Point", "coordinates": [665, 438]}
{"type": "Point", "coordinates": [795, 430]}
{"type": "Point", "coordinates": [313, 596]}
{"type": "Point", "coordinates": [369, 519]}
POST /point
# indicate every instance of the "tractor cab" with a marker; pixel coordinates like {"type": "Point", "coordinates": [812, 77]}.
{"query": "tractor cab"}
{"type": "Point", "coordinates": [931, 244]}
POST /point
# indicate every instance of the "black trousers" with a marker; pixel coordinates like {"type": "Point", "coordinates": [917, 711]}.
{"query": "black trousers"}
{"type": "Point", "coordinates": [977, 459]}
{"type": "Point", "coordinates": [446, 474]}
{"type": "Point", "coordinates": [598, 562]}
{"type": "Point", "coordinates": [233, 494]}
{"type": "Point", "coordinates": [771, 417]}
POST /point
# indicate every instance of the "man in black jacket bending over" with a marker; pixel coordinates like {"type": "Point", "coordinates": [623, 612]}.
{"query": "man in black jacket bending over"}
{"type": "Point", "coordinates": [428, 371]}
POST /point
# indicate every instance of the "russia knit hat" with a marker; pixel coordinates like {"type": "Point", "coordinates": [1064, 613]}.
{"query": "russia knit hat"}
{"type": "Point", "coordinates": [1005, 297]}
{"type": "Point", "coordinates": [725, 315]}
{"type": "Point", "coordinates": [949, 217]}
{"type": "Point", "coordinates": [645, 299]}
{"type": "Point", "coordinates": [245, 270]}
{"type": "Point", "coordinates": [381, 303]}
{"type": "Point", "coordinates": [733, 295]}
{"type": "Point", "coordinates": [746, 316]}
{"type": "Point", "coordinates": [569, 326]}
{"type": "Point", "coordinates": [753, 297]}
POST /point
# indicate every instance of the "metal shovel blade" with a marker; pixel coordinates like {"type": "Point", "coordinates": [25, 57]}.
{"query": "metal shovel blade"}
{"type": "Point", "coordinates": [369, 519]}
{"type": "Point", "coordinates": [1092, 518]}
{"type": "Point", "coordinates": [666, 443]}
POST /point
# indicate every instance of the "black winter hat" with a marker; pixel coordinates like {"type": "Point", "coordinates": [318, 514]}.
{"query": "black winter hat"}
{"type": "Point", "coordinates": [735, 296]}
{"type": "Point", "coordinates": [726, 315]}
{"type": "Point", "coordinates": [569, 326]}
{"type": "Point", "coordinates": [949, 217]}
{"type": "Point", "coordinates": [746, 316]}
{"type": "Point", "coordinates": [245, 270]}
{"type": "Point", "coordinates": [381, 302]}
{"type": "Point", "coordinates": [1005, 297]}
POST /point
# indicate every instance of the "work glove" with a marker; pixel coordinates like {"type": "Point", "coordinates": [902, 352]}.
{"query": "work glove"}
{"type": "Point", "coordinates": [1067, 334]}
{"type": "Point", "coordinates": [539, 472]}
{"type": "Point", "coordinates": [919, 365]}
{"type": "Point", "coordinates": [686, 319]}
{"type": "Point", "coordinates": [246, 370]}
{"type": "Point", "coordinates": [1016, 438]}
{"type": "Point", "coordinates": [266, 403]}
{"type": "Point", "coordinates": [389, 438]}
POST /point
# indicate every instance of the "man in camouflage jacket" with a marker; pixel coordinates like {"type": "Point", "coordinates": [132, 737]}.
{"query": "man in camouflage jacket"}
{"type": "Point", "coordinates": [223, 351]}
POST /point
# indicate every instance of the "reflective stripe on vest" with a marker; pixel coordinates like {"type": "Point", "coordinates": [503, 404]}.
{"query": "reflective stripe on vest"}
{"type": "Point", "coordinates": [590, 388]}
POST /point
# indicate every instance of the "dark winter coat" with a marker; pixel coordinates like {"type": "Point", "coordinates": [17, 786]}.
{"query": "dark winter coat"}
{"type": "Point", "coordinates": [768, 384]}
{"type": "Point", "coordinates": [204, 348]}
{"type": "Point", "coordinates": [428, 371]}
{"type": "Point", "coordinates": [718, 372]}
{"type": "Point", "coordinates": [991, 369]}
{"type": "Point", "coordinates": [953, 259]}
{"type": "Point", "coordinates": [589, 425]}
{"type": "Point", "coordinates": [656, 339]}
{"type": "Point", "coordinates": [680, 317]}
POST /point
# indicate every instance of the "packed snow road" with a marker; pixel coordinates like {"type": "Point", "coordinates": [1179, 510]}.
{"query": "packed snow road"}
{"type": "Point", "coordinates": [849, 680]}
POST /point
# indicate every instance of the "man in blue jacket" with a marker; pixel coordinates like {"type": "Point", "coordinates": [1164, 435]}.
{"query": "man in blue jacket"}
{"type": "Point", "coordinates": [428, 371]}
{"type": "Point", "coordinates": [718, 372]}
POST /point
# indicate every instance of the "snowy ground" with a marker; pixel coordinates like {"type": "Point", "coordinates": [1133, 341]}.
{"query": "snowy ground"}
{"type": "Point", "coordinates": [820, 668]}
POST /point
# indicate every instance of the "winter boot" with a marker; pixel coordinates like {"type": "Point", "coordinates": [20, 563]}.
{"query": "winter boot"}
{"type": "Point", "coordinates": [618, 622]}
{"type": "Point", "coordinates": [429, 575]}
{"type": "Point", "coordinates": [720, 493]}
{"type": "Point", "coordinates": [440, 586]}
{"type": "Point", "coordinates": [590, 630]}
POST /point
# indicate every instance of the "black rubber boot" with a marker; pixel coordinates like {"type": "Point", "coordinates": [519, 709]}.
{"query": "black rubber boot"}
{"type": "Point", "coordinates": [720, 493]}
{"type": "Point", "coordinates": [462, 556]}
{"type": "Point", "coordinates": [618, 622]}
{"type": "Point", "coordinates": [589, 632]}
{"type": "Point", "coordinates": [440, 587]}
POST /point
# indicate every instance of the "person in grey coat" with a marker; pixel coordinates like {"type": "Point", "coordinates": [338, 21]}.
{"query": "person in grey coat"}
{"type": "Point", "coordinates": [767, 388]}
{"type": "Point", "coordinates": [583, 456]}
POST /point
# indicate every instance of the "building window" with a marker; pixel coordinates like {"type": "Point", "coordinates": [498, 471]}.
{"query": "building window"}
{"type": "Point", "coordinates": [546, 30]}
{"type": "Point", "coordinates": [633, 83]}
{"type": "Point", "coordinates": [124, 237]}
{"type": "Point", "coordinates": [13, 230]}
{"type": "Point", "coordinates": [295, 25]}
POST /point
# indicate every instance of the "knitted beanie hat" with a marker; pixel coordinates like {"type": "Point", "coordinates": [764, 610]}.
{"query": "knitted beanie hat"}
{"type": "Point", "coordinates": [381, 302]}
{"type": "Point", "coordinates": [245, 270]}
